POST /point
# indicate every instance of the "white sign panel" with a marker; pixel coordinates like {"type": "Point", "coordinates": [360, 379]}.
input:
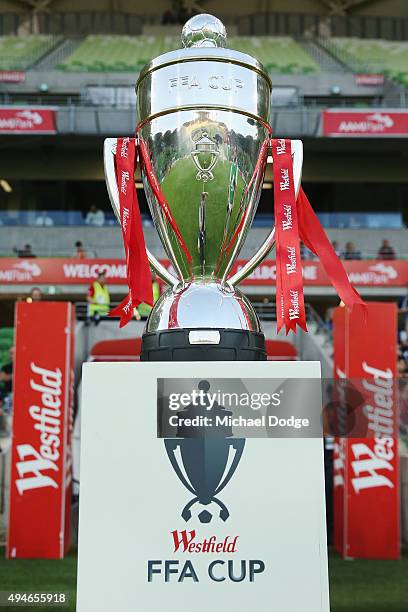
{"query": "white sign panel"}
{"type": "Point", "coordinates": [218, 523]}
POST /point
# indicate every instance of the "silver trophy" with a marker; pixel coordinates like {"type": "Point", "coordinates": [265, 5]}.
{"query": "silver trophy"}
{"type": "Point", "coordinates": [203, 117]}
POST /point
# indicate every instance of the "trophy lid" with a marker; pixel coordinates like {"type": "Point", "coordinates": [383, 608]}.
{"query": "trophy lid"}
{"type": "Point", "coordinates": [204, 39]}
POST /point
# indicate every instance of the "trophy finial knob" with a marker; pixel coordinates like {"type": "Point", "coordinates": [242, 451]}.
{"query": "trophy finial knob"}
{"type": "Point", "coordinates": [204, 31]}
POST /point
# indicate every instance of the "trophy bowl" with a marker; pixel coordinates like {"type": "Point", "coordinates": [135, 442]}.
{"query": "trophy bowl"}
{"type": "Point", "coordinates": [203, 134]}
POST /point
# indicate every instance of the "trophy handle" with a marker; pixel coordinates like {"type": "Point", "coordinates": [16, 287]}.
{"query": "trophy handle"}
{"type": "Point", "coordinates": [238, 444]}
{"type": "Point", "coordinates": [109, 150]}
{"type": "Point", "coordinates": [265, 248]}
{"type": "Point", "coordinates": [171, 445]}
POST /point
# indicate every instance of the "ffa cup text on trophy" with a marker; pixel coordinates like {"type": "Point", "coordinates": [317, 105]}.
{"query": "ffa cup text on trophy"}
{"type": "Point", "coordinates": [216, 81]}
{"type": "Point", "coordinates": [219, 570]}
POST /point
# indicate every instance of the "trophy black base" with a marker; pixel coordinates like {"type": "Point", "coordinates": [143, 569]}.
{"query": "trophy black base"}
{"type": "Point", "coordinates": [191, 345]}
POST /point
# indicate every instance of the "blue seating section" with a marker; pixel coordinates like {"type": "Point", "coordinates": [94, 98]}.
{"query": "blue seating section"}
{"type": "Point", "coordinates": [375, 220]}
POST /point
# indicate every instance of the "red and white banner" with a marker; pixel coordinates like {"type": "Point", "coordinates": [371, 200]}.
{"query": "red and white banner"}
{"type": "Point", "coordinates": [289, 280]}
{"type": "Point", "coordinates": [365, 122]}
{"type": "Point", "coordinates": [27, 120]}
{"type": "Point", "coordinates": [366, 469]}
{"type": "Point", "coordinates": [369, 80]}
{"type": "Point", "coordinates": [12, 76]}
{"type": "Point", "coordinates": [41, 458]}
{"type": "Point", "coordinates": [59, 271]}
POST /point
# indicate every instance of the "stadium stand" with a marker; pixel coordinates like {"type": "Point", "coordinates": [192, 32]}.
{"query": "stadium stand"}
{"type": "Point", "coordinates": [283, 56]}
{"type": "Point", "coordinates": [280, 54]}
{"type": "Point", "coordinates": [116, 53]}
{"type": "Point", "coordinates": [89, 78]}
{"type": "Point", "coordinates": [21, 52]}
{"type": "Point", "coordinates": [372, 55]}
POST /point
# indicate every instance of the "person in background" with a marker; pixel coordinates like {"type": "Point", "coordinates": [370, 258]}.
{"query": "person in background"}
{"type": "Point", "coordinates": [3, 414]}
{"type": "Point", "coordinates": [95, 217]}
{"type": "Point", "coordinates": [6, 375]}
{"type": "Point", "coordinates": [403, 310]}
{"type": "Point", "coordinates": [35, 295]}
{"type": "Point", "coordinates": [305, 253]}
{"type": "Point", "coordinates": [403, 406]}
{"type": "Point", "coordinates": [336, 248]}
{"type": "Point", "coordinates": [80, 251]}
{"type": "Point", "coordinates": [98, 298]}
{"type": "Point", "coordinates": [168, 17]}
{"type": "Point", "coordinates": [350, 252]}
{"type": "Point", "coordinates": [386, 251]}
{"type": "Point", "coordinates": [328, 319]}
{"type": "Point", "coordinates": [143, 310]}
{"type": "Point", "coordinates": [402, 368]}
{"type": "Point", "coordinates": [26, 251]}
{"type": "Point", "coordinates": [44, 219]}
{"type": "Point", "coordinates": [403, 351]}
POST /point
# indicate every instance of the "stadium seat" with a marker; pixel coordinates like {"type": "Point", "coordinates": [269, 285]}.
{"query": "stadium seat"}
{"type": "Point", "coordinates": [279, 54]}
{"type": "Point", "coordinates": [126, 349]}
{"type": "Point", "coordinates": [19, 53]}
{"type": "Point", "coordinates": [280, 350]}
{"type": "Point", "coordinates": [129, 53]}
{"type": "Point", "coordinates": [116, 53]}
{"type": "Point", "coordinates": [373, 55]}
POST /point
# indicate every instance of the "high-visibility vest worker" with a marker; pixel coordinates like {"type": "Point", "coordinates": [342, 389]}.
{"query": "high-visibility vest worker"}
{"type": "Point", "coordinates": [98, 297]}
{"type": "Point", "coordinates": [144, 309]}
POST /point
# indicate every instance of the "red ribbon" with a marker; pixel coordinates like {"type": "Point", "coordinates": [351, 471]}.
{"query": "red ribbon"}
{"type": "Point", "coordinates": [137, 264]}
{"type": "Point", "coordinates": [314, 238]}
{"type": "Point", "coordinates": [290, 304]}
{"type": "Point", "coordinates": [155, 187]}
{"type": "Point", "coordinates": [294, 221]}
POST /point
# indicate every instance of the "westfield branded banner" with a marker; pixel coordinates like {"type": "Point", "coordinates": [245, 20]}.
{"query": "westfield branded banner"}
{"type": "Point", "coordinates": [27, 120]}
{"type": "Point", "coordinates": [15, 271]}
{"type": "Point", "coordinates": [365, 122]}
{"type": "Point", "coordinates": [366, 469]}
{"type": "Point", "coordinates": [41, 459]}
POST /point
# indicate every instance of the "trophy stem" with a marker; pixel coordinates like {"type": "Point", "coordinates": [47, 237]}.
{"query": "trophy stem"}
{"type": "Point", "coordinates": [202, 231]}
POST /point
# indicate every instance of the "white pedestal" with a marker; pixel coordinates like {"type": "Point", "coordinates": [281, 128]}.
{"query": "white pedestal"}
{"type": "Point", "coordinates": [131, 501]}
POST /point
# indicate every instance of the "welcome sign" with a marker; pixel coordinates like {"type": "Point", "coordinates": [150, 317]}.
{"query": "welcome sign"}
{"type": "Point", "coordinates": [226, 520]}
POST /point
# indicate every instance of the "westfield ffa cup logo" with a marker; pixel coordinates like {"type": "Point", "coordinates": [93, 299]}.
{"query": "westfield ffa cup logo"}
{"type": "Point", "coordinates": [202, 456]}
